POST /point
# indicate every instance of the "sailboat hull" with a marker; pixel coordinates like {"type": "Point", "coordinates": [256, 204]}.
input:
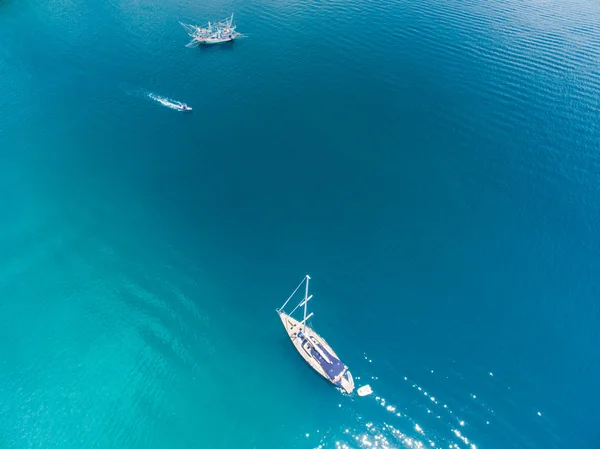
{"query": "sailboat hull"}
{"type": "Point", "coordinates": [317, 353]}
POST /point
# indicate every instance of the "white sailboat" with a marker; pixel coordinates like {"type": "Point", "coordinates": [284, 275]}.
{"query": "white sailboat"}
{"type": "Point", "coordinates": [312, 347]}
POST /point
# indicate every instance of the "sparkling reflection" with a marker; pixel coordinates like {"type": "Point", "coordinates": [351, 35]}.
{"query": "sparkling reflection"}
{"type": "Point", "coordinates": [413, 423]}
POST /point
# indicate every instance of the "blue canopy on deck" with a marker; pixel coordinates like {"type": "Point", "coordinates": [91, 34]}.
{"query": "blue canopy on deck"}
{"type": "Point", "coordinates": [332, 369]}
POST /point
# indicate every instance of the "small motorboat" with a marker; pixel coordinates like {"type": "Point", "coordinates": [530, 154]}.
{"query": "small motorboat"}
{"type": "Point", "coordinates": [172, 104]}
{"type": "Point", "coordinates": [365, 390]}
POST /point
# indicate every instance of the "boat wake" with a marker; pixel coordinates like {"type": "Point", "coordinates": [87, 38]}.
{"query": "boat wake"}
{"type": "Point", "coordinates": [415, 417]}
{"type": "Point", "coordinates": [442, 410]}
{"type": "Point", "coordinates": [144, 93]}
{"type": "Point", "coordinates": [169, 103]}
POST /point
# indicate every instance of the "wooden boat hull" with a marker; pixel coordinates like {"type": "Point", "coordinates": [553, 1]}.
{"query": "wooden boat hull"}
{"type": "Point", "coordinates": [315, 342]}
{"type": "Point", "coordinates": [214, 42]}
{"type": "Point", "coordinates": [208, 41]}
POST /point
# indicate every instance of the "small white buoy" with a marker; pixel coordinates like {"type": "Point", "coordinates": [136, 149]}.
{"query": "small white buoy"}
{"type": "Point", "coordinates": [365, 390]}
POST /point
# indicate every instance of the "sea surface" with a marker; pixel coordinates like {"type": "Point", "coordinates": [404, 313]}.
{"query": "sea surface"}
{"type": "Point", "coordinates": [433, 165]}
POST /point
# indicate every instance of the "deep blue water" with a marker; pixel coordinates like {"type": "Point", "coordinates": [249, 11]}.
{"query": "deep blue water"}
{"type": "Point", "coordinates": [433, 165]}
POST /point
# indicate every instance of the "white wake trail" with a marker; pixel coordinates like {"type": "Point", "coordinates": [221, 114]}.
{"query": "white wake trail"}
{"type": "Point", "coordinates": [167, 102]}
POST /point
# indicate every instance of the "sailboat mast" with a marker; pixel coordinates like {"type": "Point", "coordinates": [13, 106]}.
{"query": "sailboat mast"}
{"type": "Point", "coordinates": [305, 300]}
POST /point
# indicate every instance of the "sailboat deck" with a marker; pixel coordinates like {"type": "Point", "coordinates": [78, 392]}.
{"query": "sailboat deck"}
{"type": "Point", "coordinates": [292, 327]}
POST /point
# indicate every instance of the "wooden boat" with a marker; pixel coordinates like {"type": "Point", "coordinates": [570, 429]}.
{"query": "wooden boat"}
{"type": "Point", "coordinates": [312, 347]}
{"type": "Point", "coordinates": [213, 33]}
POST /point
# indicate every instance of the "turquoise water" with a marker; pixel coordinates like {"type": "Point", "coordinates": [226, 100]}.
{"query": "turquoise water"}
{"type": "Point", "coordinates": [432, 165]}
